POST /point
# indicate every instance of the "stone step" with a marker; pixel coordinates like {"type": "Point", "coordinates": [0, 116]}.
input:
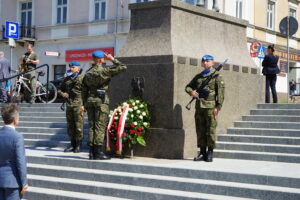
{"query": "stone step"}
{"type": "Point", "coordinates": [50, 194]}
{"type": "Point", "coordinates": [264, 132]}
{"type": "Point", "coordinates": [44, 105]}
{"type": "Point", "coordinates": [42, 114]}
{"type": "Point", "coordinates": [256, 155]}
{"type": "Point", "coordinates": [271, 118]}
{"type": "Point", "coordinates": [43, 124]}
{"type": "Point", "coordinates": [275, 112]}
{"type": "Point", "coordinates": [239, 146]}
{"type": "Point", "coordinates": [124, 179]}
{"type": "Point", "coordinates": [23, 129]}
{"type": "Point", "coordinates": [278, 106]}
{"type": "Point", "coordinates": [260, 139]}
{"type": "Point", "coordinates": [273, 125]}
{"type": "Point", "coordinates": [46, 143]}
{"type": "Point", "coordinates": [41, 109]}
{"type": "Point", "coordinates": [239, 171]}
{"type": "Point", "coordinates": [126, 191]}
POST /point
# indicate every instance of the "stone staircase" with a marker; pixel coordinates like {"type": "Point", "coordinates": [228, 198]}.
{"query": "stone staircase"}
{"type": "Point", "coordinates": [249, 175]}
{"type": "Point", "coordinates": [270, 133]}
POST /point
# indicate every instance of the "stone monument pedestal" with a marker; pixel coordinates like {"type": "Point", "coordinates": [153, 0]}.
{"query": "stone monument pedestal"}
{"type": "Point", "coordinates": [165, 44]}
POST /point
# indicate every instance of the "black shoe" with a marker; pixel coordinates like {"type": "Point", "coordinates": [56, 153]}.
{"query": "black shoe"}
{"type": "Point", "coordinates": [77, 146]}
{"type": "Point", "coordinates": [91, 153]}
{"type": "Point", "coordinates": [99, 153]}
{"type": "Point", "coordinates": [210, 155]}
{"type": "Point", "coordinates": [202, 155]}
{"type": "Point", "coordinates": [71, 147]}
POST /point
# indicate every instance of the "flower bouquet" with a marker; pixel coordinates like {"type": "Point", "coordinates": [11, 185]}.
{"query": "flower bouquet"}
{"type": "Point", "coordinates": [127, 126]}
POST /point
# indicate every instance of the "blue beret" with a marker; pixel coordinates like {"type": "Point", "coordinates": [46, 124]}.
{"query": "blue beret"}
{"type": "Point", "coordinates": [207, 57]}
{"type": "Point", "coordinates": [98, 54]}
{"type": "Point", "coordinates": [74, 63]}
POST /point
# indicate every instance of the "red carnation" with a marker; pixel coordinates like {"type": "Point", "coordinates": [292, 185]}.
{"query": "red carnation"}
{"type": "Point", "coordinates": [139, 134]}
{"type": "Point", "coordinates": [131, 131]}
{"type": "Point", "coordinates": [132, 125]}
{"type": "Point", "coordinates": [124, 135]}
{"type": "Point", "coordinates": [140, 128]}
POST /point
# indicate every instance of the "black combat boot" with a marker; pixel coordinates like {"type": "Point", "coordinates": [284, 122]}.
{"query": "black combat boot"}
{"type": "Point", "coordinates": [91, 153]}
{"type": "Point", "coordinates": [210, 154]}
{"type": "Point", "coordinates": [77, 146]}
{"type": "Point", "coordinates": [71, 146]}
{"type": "Point", "coordinates": [99, 153]}
{"type": "Point", "coordinates": [202, 155]}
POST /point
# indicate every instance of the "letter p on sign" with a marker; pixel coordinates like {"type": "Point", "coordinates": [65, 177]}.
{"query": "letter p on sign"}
{"type": "Point", "coordinates": [12, 30]}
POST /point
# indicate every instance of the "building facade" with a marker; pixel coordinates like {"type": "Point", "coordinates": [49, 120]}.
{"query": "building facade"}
{"type": "Point", "coordinates": [74, 28]}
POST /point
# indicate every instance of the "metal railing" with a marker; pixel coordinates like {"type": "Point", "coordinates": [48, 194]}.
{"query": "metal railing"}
{"type": "Point", "coordinates": [25, 32]}
{"type": "Point", "coordinates": [22, 73]}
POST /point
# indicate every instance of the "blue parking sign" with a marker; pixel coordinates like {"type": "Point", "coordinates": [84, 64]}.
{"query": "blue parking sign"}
{"type": "Point", "coordinates": [261, 51]}
{"type": "Point", "coordinates": [12, 30]}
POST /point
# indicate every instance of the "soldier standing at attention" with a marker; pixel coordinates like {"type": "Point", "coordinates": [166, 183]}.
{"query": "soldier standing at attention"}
{"type": "Point", "coordinates": [207, 109]}
{"type": "Point", "coordinates": [96, 100]}
{"type": "Point", "coordinates": [71, 89]}
{"type": "Point", "coordinates": [29, 61]}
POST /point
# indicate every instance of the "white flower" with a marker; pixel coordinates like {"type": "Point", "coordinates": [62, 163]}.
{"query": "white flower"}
{"type": "Point", "coordinates": [130, 109]}
{"type": "Point", "coordinates": [135, 108]}
{"type": "Point", "coordinates": [119, 110]}
{"type": "Point", "coordinates": [116, 118]}
{"type": "Point", "coordinates": [141, 106]}
{"type": "Point", "coordinates": [137, 101]}
{"type": "Point", "coordinates": [145, 124]}
{"type": "Point", "coordinates": [132, 116]}
{"type": "Point", "coordinates": [109, 115]}
{"type": "Point", "coordinates": [144, 113]}
{"type": "Point", "coordinates": [133, 104]}
{"type": "Point", "coordinates": [141, 117]}
{"type": "Point", "coordinates": [124, 104]}
{"type": "Point", "coordinates": [135, 123]}
{"type": "Point", "coordinates": [138, 111]}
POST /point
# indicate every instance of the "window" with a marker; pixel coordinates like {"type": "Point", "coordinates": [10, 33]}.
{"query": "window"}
{"type": "Point", "coordinates": [26, 14]}
{"type": "Point", "coordinates": [59, 72]}
{"type": "Point", "coordinates": [100, 9]}
{"type": "Point", "coordinates": [239, 9]}
{"type": "Point", "coordinates": [292, 12]}
{"type": "Point", "coordinates": [62, 6]}
{"type": "Point", "coordinates": [271, 15]}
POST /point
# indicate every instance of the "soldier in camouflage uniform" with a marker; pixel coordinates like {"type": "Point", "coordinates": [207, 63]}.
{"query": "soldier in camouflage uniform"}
{"type": "Point", "coordinates": [96, 101]}
{"type": "Point", "coordinates": [29, 61]}
{"type": "Point", "coordinates": [207, 109]}
{"type": "Point", "coordinates": [71, 89]}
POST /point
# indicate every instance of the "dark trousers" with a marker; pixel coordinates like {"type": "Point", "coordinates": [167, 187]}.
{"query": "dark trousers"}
{"type": "Point", "coordinates": [3, 92]}
{"type": "Point", "coordinates": [10, 194]}
{"type": "Point", "coordinates": [271, 83]}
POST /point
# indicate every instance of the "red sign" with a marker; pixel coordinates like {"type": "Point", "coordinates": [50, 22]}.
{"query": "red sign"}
{"type": "Point", "coordinates": [85, 54]}
{"type": "Point", "coordinates": [254, 48]}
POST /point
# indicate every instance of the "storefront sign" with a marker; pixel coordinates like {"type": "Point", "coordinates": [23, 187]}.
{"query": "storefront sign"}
{"type": "Point", "coordinates": [283, 66]}
{"type": "Point", "coordinates": [281, 54]}
{"type": "Point", "coordinates": [85, 54]}
{"type": "Point", "coordinates": [52, 53]}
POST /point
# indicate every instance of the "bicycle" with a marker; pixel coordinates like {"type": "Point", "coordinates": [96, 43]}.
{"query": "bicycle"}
{"type": "Point", "coordinates": [41, 93]}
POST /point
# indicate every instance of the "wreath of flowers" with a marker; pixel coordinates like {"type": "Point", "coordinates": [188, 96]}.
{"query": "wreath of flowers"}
{"type": "Point", "coordinates": [136, 124]}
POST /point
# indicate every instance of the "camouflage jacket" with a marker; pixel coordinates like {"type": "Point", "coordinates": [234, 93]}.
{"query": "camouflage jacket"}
{"type": "Point", "coordinates": [98, 78]}
{"type": "Point", "coordinates": [216, 88]}
{"type": "Point", "coordinates": [72, 86]}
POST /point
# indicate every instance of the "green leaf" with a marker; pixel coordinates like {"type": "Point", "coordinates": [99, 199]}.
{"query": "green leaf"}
{"type": "Point", "coordinates": [141, 141]}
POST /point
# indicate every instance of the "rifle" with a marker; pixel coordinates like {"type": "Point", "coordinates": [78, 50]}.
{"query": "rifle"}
{"type": "Point", "coordinates": [203, 93]}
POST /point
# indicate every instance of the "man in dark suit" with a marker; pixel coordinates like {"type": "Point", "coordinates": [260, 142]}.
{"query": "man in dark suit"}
{"type": "Point", "coordinates": [13, 173]}
{"type": "Point", "coordinates": [4, 73]}
{"type": "Point", "coordinates": [270, 70]}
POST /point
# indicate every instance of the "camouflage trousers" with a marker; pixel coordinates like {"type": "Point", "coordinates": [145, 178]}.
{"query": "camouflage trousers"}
{"type": "Point", "coordinates": [206, 126]}
{"type": "Point", "coordinates": [31, 84]}
{"type": "Point", "coordinates": [98, 118]}
{"type": "Point", "coordinates": [75, 123]}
